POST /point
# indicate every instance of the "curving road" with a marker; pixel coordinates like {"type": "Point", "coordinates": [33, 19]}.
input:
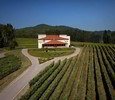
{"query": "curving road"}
{"type": "Point", "coordinates": [13, 89]}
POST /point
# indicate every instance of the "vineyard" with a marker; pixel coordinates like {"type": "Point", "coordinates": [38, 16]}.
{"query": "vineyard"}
{"type": "Point", "coordinates": [8, 65]}
{"type": "Point", "coordinates": [87, 76]}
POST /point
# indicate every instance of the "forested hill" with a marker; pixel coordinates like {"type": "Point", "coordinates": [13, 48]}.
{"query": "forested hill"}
{"type": "Point", "coordinates": [44, 29]}
{"type": "Point", "coordinates": [75, 33]}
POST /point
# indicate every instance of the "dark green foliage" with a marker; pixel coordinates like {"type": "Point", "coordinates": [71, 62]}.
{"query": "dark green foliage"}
{"type": "Point", "coordinates": [91, 94]}
{"type": "Point", "coordinates": [110, 56]}
{"type": "Point", "coordinates": [108, 67]}
{"type": "Point", "coordinates": [113, 37]}
{"type": "Point", "coordinates": [35, 79]}
{"type": "Point", "coordinates": [101, 95]}
{"type": "Point", "coordinates": [51, 88]}
{"type": "Point", "coordinates": [62, 83]}
{"type": "Point", "coordinates": [68, 87]}
{"type": "Point", "coordinates": [8, 65]}
{"type": "Point", "coordinates": [39, 82]}
{"type": "Point", "coordinates": [41, 90]}
{"type": "Point", "coordinates": [106, 37]}
{"type": "Point", "coordinates": [81, 89]}
{"type": "Point", "coordinates": [75, 33]}
{"type": "Point", "coordinates": [7, 36]}
{"type": "Point", "coordinates": [89, 76]}
{"type": "Point", "coordinates": [106, 80]}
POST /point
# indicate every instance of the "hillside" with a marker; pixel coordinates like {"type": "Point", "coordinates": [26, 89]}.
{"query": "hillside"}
{"type": "Point", "coordinates": [75, 33]}
{"type": "Point", "coordinates": [47, 29]}
{"type": "Point", "coordinates": [44, 28]}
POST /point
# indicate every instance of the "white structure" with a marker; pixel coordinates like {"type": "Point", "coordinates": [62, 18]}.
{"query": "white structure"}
{"type": "Point", "coordinates": [50, 41]}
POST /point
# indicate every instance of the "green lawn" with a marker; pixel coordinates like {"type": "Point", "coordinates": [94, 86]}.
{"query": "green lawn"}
{"type": "Point", "coordinates": [47, 54]}
{"type": "Point", "coordinates": [27, 42]}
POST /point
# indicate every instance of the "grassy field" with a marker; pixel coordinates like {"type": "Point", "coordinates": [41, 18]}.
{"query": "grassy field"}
{"type": "Point", "coordinates": [47, 54]}
{"type": "Point", "coordinates": [88, 76]}
{"type": "Point", "coordinates": [32, 43]}
{"type": "Point", "coordinates": [25, 63]}
{"type": "Point", "coordinates": [23, 43]}
{"type": "Point", "coordinates": [27, 42]}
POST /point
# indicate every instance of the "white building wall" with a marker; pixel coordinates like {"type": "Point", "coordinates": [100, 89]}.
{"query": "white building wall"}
{"type": "Point", "coordinates": [68, 41]}
{"type": "Point", "coordinates": [40, 42]}
{"type": "Point", "coordinates": [65, 41]}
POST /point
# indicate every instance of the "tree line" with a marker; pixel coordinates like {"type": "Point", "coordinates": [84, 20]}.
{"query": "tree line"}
{"type": "Point", "coordinates": [76, 34]}
{"type": "Point", "coordinates": [7, 36]}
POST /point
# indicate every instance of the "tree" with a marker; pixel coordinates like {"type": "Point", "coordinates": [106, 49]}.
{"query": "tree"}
{"type": "Point", "coordinates": [7, 37]}
{"type": "Point", "coordinates": [1, 40]}
{"type": "Point", "coordinates": [106, 37]}
{"type": "Point", "coordinates": [113, 37]}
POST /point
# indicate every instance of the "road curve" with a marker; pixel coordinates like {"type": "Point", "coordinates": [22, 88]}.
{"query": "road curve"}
{"type": "Point", "coordinates": [11, 91]}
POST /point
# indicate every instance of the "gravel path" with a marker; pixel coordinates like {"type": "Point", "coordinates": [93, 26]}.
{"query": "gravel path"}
{"type": "Point", "coordinates": [2, 54]}
{"type": "Point", "coordinates": [13, 89]}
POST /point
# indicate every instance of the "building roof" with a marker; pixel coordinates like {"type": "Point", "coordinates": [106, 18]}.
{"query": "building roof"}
{"type": "Point", "coordinates": [53, 37]}
{"type": "Point", "coordinates": [54, 42]}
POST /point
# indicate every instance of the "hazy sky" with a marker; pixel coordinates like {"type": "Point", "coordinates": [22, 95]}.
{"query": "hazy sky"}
{"type": "Point", "coordinates": [84, 14]}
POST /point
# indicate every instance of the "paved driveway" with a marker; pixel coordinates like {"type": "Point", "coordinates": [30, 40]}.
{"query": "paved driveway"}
{"type": "Point", "coordinates": [12, 90]}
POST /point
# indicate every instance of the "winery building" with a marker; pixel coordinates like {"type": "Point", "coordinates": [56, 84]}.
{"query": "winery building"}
{"type": "Point", "coordinates": [53, 41]}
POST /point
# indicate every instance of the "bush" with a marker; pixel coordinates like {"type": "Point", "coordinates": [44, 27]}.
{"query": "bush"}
{"type": "Point", "coordinates": [8, 65]}
{"type": "Point", "coordinates": [35, 79]}
{"type": "Point", "coordinates": [39, 82]}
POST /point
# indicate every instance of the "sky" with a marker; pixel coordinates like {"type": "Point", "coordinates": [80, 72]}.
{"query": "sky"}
{"type": "Point", "coordinates": [91, 15]}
